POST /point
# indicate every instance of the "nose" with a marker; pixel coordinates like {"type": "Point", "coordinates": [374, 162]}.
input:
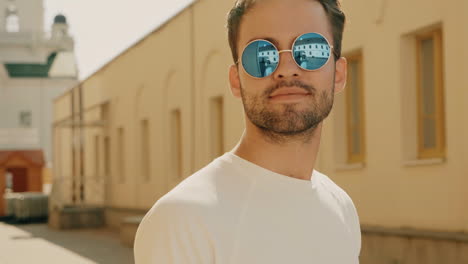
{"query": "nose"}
{"type": "Point", "coordinates": [287, 67]}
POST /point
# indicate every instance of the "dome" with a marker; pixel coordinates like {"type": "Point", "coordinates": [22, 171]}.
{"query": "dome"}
{"type": "Point", "coordinates": [60, 19]}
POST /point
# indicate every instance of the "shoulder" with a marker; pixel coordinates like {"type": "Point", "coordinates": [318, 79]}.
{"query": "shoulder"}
{"type": "Point", "coordinates": [176, 214]}
{"type": "Point", "coordinates": [174, 225]}
{"type": "Point", "coordinates": [193, 194]}
{"type": "Point", "coordinates": [199, 193]}
{"type": "Point", "coordinates": [340, 195]}
{"type": "Point", "coordinates": [347, 206]}
{"type": "Point", "coordinates": [200, 188]}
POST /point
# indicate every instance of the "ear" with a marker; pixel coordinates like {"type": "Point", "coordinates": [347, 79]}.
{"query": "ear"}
{"type": "Point", "coordinates": [234, 81]}
{"type": "Point", "coordinates": [341, 71]}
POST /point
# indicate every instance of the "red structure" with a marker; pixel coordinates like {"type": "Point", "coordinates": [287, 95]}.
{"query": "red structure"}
{"type": "Point", "coordinates": [25, 166]}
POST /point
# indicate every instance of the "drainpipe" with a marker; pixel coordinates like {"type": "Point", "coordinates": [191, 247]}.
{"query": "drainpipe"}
{"type": "Point", "coordinates": [81, 145]}
{"type": "Point", "coordinates": [73, 152]}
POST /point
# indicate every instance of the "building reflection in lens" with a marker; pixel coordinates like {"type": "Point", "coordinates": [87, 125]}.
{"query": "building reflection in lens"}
{"type": "Point", "coordinates": [311, 51]}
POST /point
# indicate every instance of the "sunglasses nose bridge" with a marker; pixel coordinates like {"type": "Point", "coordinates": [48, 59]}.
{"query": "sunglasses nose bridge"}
{"type": "Point", "coordinates": [284, 51]}
{"type": "Point", "coordinates": [287, 66]}
{"type": "Point", "coordinates": [281, 51]}
{"type": "Point", "coordinates": [283, 59]}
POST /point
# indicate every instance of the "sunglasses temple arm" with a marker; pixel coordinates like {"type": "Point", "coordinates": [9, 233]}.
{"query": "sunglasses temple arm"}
{"type": "Point", "coordinates": [337, 56]}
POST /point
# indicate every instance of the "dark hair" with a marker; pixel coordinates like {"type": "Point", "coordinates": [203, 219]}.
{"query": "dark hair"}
{"type": "Point", "coordinates": [335, 15]}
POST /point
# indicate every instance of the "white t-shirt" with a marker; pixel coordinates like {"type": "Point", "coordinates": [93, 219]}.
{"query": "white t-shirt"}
{"type": "Point", "coordinates": [235, 212]}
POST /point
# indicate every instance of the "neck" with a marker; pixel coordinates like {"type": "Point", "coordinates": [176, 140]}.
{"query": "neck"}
{"type": "Point", "coordinates": [292, 156]}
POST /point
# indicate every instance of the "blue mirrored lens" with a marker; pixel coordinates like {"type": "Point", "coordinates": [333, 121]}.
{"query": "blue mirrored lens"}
{"type": "Point", "coordinates": [311, 51]}
{"type": "Point", "coordinates": [260, 58]}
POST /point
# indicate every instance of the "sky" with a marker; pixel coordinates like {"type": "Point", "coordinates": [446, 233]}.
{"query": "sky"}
{"type": "Point", "coordinates": [102, 29]}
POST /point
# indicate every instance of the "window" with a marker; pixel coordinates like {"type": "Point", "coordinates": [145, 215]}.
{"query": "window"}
{"type": "Point", "coordinates": [176, 144]}
{"type": "Point", "coordinates": [355, 111]}
{"type": "Point", "coordinates": [430, 96]}
{"type": "Point", "coordinates": [25, 119]}
{"type": "Point", "coordinates": [12, 19]}
{"type": "Point", "coordinates": [145, 150]}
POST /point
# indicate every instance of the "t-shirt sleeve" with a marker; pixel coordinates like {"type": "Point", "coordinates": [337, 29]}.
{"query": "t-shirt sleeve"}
{"type": "Point", "coordinates": [169, 234]}
{"type": "Point", "coordinates": [355, 226]}
{"type": "Point", "coordinates": [350, 214]}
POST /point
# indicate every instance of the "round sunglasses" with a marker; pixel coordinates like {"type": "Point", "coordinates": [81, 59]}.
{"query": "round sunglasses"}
{"type": "Point", "coordinates": [310, 51]}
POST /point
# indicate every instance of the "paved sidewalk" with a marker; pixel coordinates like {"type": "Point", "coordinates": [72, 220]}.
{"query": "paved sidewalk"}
{"type": "Point", "coordinates": [36, 243]}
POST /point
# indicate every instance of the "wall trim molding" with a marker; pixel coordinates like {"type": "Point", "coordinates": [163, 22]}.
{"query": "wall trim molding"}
{"type": "Point", "coordinates": [126, 210]}
{"type": "Point", "coordinates": [415, 233]}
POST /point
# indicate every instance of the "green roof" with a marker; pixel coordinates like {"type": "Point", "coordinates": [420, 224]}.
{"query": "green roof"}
{"type": "Point", "coordinates": [28, 70]}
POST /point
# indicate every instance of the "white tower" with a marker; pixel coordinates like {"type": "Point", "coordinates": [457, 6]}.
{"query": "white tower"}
{"type": "Point", "coordinates": [35, 67]}
{"type": "Point", "coordinates": [60, 27]}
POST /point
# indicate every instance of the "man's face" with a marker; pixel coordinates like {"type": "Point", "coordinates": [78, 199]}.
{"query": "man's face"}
{"type": "Point", "coordinates": [287, 115]}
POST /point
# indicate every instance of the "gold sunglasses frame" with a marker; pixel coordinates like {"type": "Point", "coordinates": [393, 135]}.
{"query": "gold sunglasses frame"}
{"type": "Point", "coordinates": [332, 51]}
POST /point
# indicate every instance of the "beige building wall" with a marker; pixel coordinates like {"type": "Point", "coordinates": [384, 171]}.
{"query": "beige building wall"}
{"type": "Point", "coordinates": [393, 188]}
{"type": "Point", "coordinates": [183, 67]}
{"type": "Point", "coordinates": [176, 79]}
{"type": "Point", "coordinates": [212, 59]}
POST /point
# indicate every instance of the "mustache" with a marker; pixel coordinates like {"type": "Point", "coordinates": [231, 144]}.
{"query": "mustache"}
{"type": "Point", "coordinates": [295, 83]}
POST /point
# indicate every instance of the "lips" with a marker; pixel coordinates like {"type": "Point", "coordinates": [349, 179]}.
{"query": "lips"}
{"type": "Point", "coordinates": [289, 91]}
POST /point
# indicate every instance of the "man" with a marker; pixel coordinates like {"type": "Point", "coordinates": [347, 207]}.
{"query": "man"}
{"type": "Point", "coordinates": [263, 202]}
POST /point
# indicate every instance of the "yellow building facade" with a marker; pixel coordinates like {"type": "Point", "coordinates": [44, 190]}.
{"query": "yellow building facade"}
{"type": "Point", "coordinates": [395, 140]}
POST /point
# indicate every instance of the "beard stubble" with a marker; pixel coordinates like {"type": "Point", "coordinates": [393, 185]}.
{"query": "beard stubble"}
{"type": "Point", "coordinates": [282, 123]}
